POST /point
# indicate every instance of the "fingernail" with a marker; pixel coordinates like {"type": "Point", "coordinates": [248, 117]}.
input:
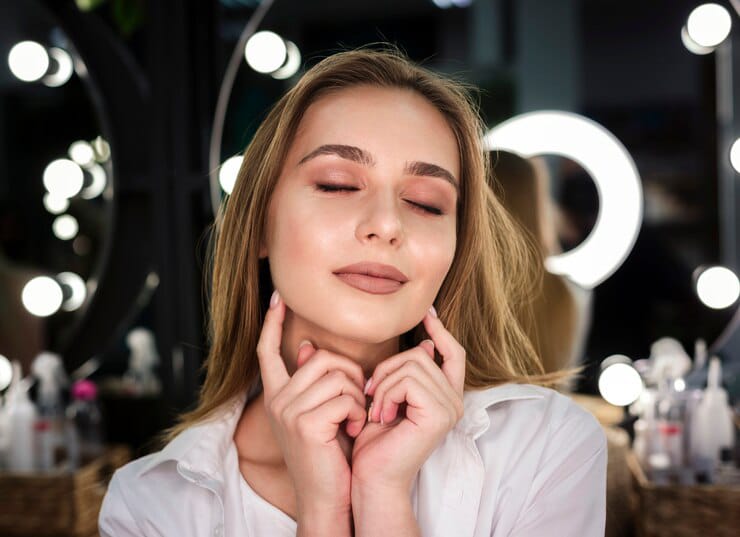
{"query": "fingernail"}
{"type": "Point", "coordinates": [430, 342]}
{"type": "Point", "coordinates": [302, 343]}
{"type": "Point", "coordinates": [370, 412]}
{"type": "Point", "coordinates": [432, 311]}
{"type": "Point", "coordinates": [367, 385]}
{"type": "Point", "coordinates": [275, 298]}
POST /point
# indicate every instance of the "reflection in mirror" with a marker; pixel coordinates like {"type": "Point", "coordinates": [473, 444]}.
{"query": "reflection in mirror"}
{"type": "Point", "coordinates": [54, 185]}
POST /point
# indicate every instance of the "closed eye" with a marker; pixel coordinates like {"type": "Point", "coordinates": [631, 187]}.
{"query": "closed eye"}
{"type": "Point", "coordinates": [341, 188]}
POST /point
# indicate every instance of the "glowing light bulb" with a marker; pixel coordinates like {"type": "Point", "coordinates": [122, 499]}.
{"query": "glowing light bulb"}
{"type": "Point", "coordinates": [77, 288]}
{"type": "Point", "coordinates": [42, 296]}
{"type": "Point", "coordinates": [82, 153]}
{"type": "Point", "coordinates": [63, 178]}
{"type": "Point", "coordinates": [292, 64]}
{"type": "Point", "coordinates": [709, 24]}
{"type": "Point", "coordinates": [6, 372]}
{"type": "Point", "coordinates": [265, 52]}
{"type": "Point", "coordinates": [28, 61]}
{"type": "Point", "coordinates": [65, 227]}
{"type": "Point", "coordinates": [735, 155]}
{"type": "Point", "coordinates": [619, 383]}
{"type": "Point", "coordinates": [718, 287]}
{"type": "Point", "coordinates": [55, 204]}
{"type": "Point", "coordinates": [63, 68]}
{"type": "Point", "coordinates": [228, 173]}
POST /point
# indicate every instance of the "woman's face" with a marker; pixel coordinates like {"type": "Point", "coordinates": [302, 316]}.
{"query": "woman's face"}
{"type": "Point", "coordinates": [399, 159]}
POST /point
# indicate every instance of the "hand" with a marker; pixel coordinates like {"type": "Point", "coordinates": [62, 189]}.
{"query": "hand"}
{"type": "Point", "coordinates": [305, 412]}
{"type": "Point", "coordinates": [390, 450]}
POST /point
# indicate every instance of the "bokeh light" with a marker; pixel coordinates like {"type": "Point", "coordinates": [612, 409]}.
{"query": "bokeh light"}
{"type": "Point", "coordinates": [42, 296]}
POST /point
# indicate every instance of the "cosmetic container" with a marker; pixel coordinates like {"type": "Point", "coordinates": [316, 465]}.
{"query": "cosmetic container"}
{"type": "Point", "coordinates": [84, 424]}
{"type": "Point", "coordinates": [21, 415]}
{"type": "Point", "coordinates": [140, 379]}
{"type": "Point", "coordinates": [712, 427]}
{"type": "Point", "coordinates": [47, 367]}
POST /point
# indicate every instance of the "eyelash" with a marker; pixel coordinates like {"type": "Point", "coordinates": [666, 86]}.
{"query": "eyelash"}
{"type": "Point", "coordinates": [341, 188]}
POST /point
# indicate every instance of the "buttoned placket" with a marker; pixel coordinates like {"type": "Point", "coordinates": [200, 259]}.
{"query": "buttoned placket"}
{"type": "Point", "coordinates": [213, 485]}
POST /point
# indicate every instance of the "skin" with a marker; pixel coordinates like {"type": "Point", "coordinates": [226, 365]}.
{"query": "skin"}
{"type": "Point", "coordinates": [354, 334]}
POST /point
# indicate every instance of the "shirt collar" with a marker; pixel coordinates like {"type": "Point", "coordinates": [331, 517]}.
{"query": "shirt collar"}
{"type": "Point", "coordinates": [202, 448]}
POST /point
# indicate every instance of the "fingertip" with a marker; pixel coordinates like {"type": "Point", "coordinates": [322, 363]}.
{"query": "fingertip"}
{"type": "Point", "coordinates": [275, 299]}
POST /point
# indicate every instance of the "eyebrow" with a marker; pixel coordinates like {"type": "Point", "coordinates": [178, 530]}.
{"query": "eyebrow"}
{"type": "Point", "coordinates": [355, 154]}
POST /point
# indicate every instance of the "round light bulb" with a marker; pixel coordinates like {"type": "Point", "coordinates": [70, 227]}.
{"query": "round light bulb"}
{"type": "Point", "coordinates": [42, 296]}
{"type": "Point", "coordinates": [82, 153]}
{"type": "Point", "coordinates": [265, 52]}
{"type": "Point", "coordinates": [6, 372]}
{"type": "Point", "coordinates": [65, 227]}
{"type": "Point", "coordinates": [709, 24]}
{"type": "Point", "coordinates": [28, 61]}
{"type": "Point", "coordinates": [735, 155]}
{"type": "Point", "coordinates": [620, 384]}
{"type": "Point", "coordinates": [63, 178]}
{"type": "Point", "coordinates": [228, 173]}
{"type": "Point", "coordinates": [718, 287]}
{"type": "Point", "coordinates": [55, 204]}
{"type": "Point", "coordinates": [77, 286]}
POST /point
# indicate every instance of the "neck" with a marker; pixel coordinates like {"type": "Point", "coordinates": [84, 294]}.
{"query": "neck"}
{"type": "Point", "coordinates": [367, 354]}
{"type": "Point", "coordinates": [254, 422]}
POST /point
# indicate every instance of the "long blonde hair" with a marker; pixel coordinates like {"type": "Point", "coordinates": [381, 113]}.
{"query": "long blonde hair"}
{"type": "Point", "coordinates": [485, 296]}
{"type": "Point", "coordinates": [555, 313]}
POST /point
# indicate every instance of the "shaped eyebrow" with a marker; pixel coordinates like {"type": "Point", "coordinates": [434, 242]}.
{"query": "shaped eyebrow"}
{"type": "Point", "coordinates": [356, 154]}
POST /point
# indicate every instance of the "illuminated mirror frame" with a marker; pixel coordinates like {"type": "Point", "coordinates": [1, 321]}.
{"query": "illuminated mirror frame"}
{"type": "Point", "coordinates": [613, 171]}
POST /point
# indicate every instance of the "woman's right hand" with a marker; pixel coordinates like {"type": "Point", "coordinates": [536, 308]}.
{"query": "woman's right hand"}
{"type": "Point", "coordinates": [305, 412]}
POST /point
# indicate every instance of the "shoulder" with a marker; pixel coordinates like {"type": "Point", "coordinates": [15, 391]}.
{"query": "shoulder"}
{"type": "Point", "coordinates": [144, 499]}
{"type": "Point", "coordinates": [539, 420]}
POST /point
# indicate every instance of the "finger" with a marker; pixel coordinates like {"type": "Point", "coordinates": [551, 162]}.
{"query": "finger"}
{"type": "Point", "coordinates": [321, 363]}
{"type": "Point", "coordinates": [272, 367]}
{"type": "Point", "coordinates": [333, 384]}
{"type": "Point", "coordinates": [453, 354]}
{"type": "Point", "coordinates": [383, 407]}
{"type": "Point", "coordinates": [420, 402]}
{"type": "Point", "coordinates": [423, 354]}
{"type": "Point", "coordinates": [305, 351]}
{"type": "Point", "coordinates": [325, 419]}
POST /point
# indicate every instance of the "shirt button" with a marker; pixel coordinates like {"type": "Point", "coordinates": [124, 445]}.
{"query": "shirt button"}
{"type": "Point", "coordinates": [218, 531]}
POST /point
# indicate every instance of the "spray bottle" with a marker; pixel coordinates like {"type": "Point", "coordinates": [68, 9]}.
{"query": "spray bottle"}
{"type": "Point", "coordinates": [712, 425]}
{"type": "Point", "coordinates": [47, 367]}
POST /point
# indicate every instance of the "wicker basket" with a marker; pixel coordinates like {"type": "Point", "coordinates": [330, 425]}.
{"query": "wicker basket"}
{"type": "Point", "coordinates": [58, 504]}
{"type": "Point", "coordinates": [681, 510]}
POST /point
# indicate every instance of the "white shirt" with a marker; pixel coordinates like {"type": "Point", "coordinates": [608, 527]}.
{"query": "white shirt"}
{"type": "Point", "coordinates": [524, 461]}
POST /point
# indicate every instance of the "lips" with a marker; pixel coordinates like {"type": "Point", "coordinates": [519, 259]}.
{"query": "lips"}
{"type": "Point", "coordinates": [372, 277]}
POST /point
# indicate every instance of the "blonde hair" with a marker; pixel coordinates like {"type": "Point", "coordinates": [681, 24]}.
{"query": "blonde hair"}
{"type": "Point", "coordinates": [484, 297]}
{"type": "Point", "coordinates": [553, 327]}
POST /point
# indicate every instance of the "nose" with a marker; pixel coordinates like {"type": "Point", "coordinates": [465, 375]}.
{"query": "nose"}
{"type": "Point", "coordinates": [381, 220]}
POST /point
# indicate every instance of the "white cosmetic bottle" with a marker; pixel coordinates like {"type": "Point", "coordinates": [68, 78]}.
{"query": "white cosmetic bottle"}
{"type": "Point", "coordinates": [712, 427]}
{"type": "Point", "coordinates": [21, 418]}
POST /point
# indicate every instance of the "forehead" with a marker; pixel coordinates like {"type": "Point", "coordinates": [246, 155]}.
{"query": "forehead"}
{"type": "Point", "coordinates": [393, 124]}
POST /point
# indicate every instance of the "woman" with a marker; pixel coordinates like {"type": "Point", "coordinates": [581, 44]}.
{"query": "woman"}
{"type": "Point", "coordinates": [361, 201]}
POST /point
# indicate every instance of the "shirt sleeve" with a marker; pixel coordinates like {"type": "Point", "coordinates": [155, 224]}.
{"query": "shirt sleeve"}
{"type": "Point", "coordinates": [568, 493]}
{"type": "Point", "coordinates": [115, 518]}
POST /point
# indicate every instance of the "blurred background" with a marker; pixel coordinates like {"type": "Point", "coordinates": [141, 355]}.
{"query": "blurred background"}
{"type": "Point", "coordinates": [121, 128]}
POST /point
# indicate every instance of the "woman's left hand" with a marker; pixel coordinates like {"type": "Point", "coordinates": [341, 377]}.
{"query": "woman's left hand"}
{"type": "Point", "coordinates": [390, 449]}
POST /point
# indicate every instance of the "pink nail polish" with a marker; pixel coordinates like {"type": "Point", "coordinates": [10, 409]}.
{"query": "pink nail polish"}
{"type": "Point", "coordinates": [432, 311]}
{"type": "Point", "coordinates": [275, 298]}
{"type": "Point", "coordinates": [367, 385]}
